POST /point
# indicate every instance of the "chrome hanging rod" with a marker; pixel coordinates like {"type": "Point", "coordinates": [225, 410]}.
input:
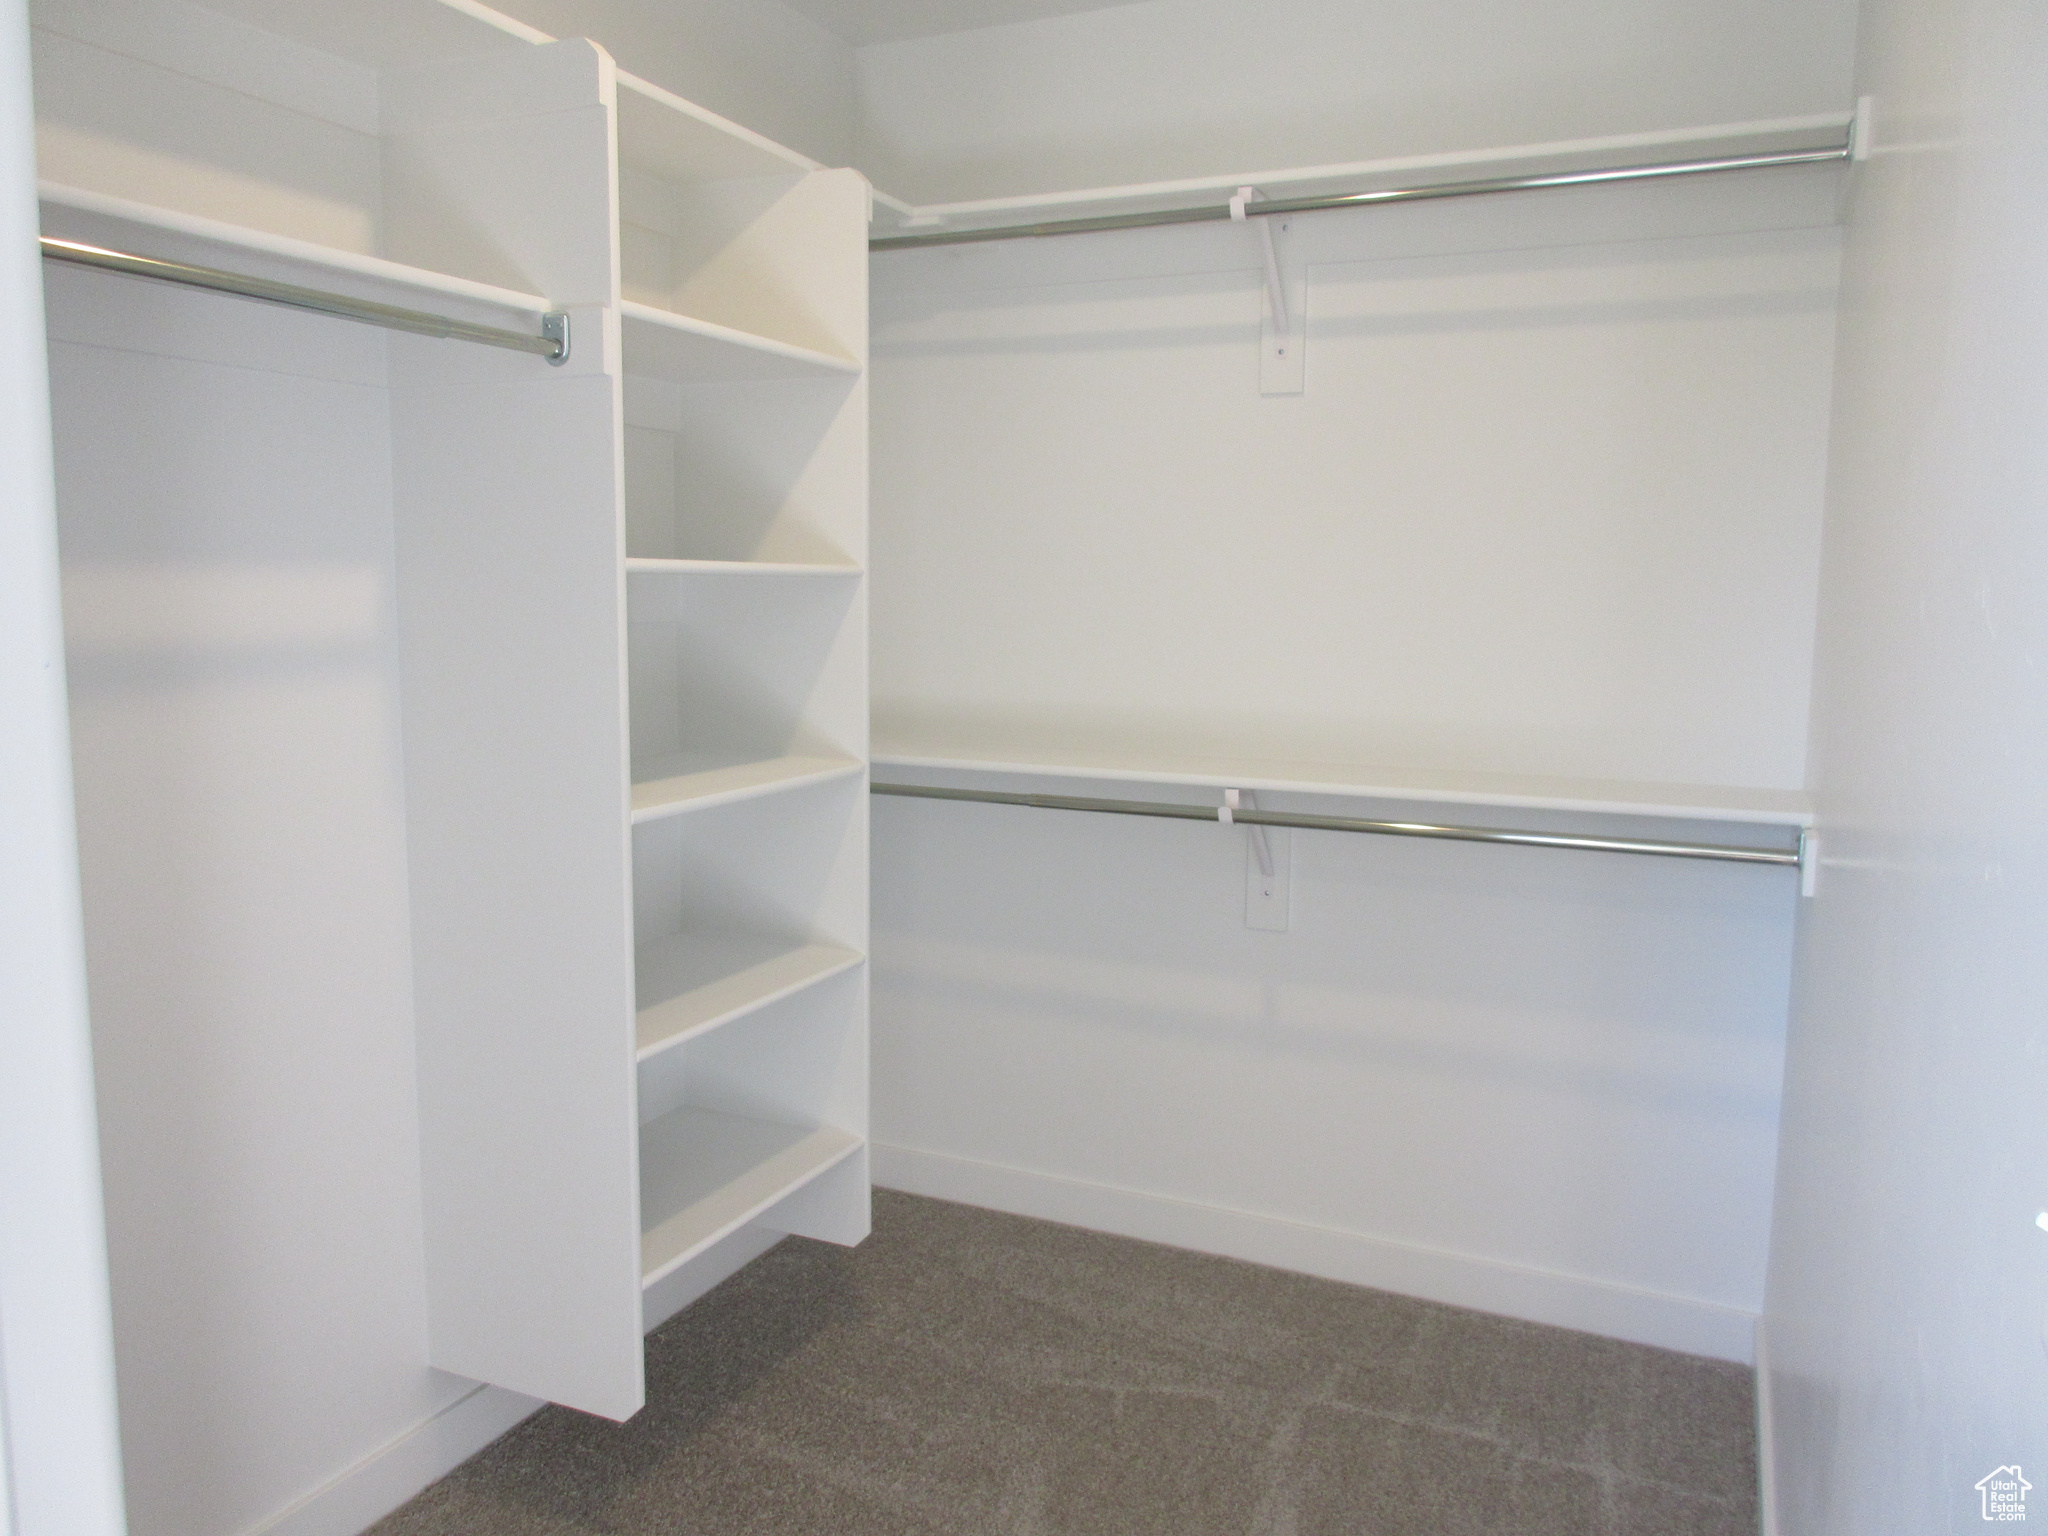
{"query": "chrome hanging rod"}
{"type": "Point", "coordinates": [1287, 205]}
{"type": "Point", "coordinates": [1720, 851]}
{"type": "Point", "coordinates": [552, 343]}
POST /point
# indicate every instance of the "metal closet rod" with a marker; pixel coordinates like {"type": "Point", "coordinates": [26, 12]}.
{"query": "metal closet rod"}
{"type": "Point", "coordinates": [1286, 205]}
{"type": "Point", "coordinates": [552, 343]}
{"type": "Point", "coordinates": [1670, 850]}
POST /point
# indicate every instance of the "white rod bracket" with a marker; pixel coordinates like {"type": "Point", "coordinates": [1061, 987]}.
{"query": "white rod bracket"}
{"type": "Point", "coordinates": [1863, 128]}
{"type": "Point", "coordinates": [1809, 861]}
{"type": "Point", "coordinates": [1281, 370]}
{"type": "Point", "coordinates": [1235, 800]}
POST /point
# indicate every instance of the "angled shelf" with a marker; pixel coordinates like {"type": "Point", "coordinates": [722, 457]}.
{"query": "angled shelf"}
{"type": "Point", "coordinates": [705, 1174]}
{"type": "Point", "coordinates": [672, 787]}
{"type": "Point", "coordinates": [688, 983]}
{"type": "Point", "coordinates": [1606, 797]}
{"type": "Point", "coordinates": [637, 566]}
{"type": "Point", "coordinates": [663, 344]}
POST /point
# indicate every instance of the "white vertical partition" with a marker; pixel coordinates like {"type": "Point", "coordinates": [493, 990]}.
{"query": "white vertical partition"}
{"type": "Point", "coordinates": [60, 1472]}
{"type": "Point", "coordinates": [506, 490]}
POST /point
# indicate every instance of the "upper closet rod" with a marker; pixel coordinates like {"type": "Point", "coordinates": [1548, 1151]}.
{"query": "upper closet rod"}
{"type": "Point", "coordinates": [1287, 205]}
{"type": "Point", "coordinates": [552, 343]}
{"type": "Point", "coordinates": [1233, 815]}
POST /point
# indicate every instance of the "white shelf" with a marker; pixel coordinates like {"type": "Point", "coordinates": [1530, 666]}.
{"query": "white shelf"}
{"type": "Point", "coordinates": [94, 218]}
{"type": "Point", "coordinates": [666, 345]}
{"type": "Point", "coordinates": [704, 1175]}
{"type": "Point", "coordinates": [679, 141]}
{"type": "Point", "coordinates": [1609, 797]}
{"type": "Point", "coordinates": [673, 787]}
{"type": "Point", "coordinates": [692, 982]}
{"type": "Point", "coordinates": [386, 34]}
{"type": "Point", "coordinates": [638, 566]}
{"type": "Point", "coordinates": [1710, 140]}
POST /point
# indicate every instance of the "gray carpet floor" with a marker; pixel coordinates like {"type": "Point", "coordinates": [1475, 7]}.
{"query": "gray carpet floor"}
{"type": "Point", "coordinates": [964, 1373]}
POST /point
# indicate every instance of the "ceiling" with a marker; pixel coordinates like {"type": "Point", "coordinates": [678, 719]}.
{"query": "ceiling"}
{"type": "Point", "coordinates": [890, 21]}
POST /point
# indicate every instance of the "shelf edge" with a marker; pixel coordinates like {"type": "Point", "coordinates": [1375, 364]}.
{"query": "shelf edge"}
{"type": "Point", "coordinates": [655, 566]}
{"type": "Point", "coordinates": [663, 97]}
{"type": "Point", "coordinates": [285, 247]}
{"type": "Point", "coordinates": [929, 215]}
{"type": "Point", "coordinates": [710, 330]}
{"type": "Point", "coordinates": [1793, 814]}
{"type": "Point", "coordinates": [667, 808]}
{"type": "Point", "coordinates": [849, 958]}
{"type": "Point", "coordinates": [821, 1166]}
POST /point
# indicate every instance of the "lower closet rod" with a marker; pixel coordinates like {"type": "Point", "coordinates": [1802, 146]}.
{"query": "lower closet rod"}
{"type": "Point", "coordinates": [1278, 207]}
{"type": "Point", "coordinates": [552, 343]}
{"type": "Point", "coordinates": [1720, 851]}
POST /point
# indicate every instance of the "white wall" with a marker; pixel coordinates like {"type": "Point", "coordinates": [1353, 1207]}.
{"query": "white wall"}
{"type": "Point", "coordinates": [1549, 504]}
{"type": "Point", "coordinates": [755, 61]}
{"type": "Point", "coordinates": [60, 1472]}
{"type": "Point", "coordinates": [1196, 87]}
{"type": "Point", "coordinates": [1909, 1284]}
{"type": "Point", "coordinates": [1539, 1083]}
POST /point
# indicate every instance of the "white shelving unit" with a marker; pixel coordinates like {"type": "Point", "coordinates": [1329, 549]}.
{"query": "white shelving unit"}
{"type": "Point", "coordinates": [637, 868]}
{"type": "Point", "coordinates": [744, 330]}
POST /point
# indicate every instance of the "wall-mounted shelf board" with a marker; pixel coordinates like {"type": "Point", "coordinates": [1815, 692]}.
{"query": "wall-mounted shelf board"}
{"type": "Point", "coordinates": [1713, 140]}
{"type": "Point", "coordinates": [677, 140]}
{"type": "Point", "coordinates": [666, 345]}
{"type": "Point", "coordinates": [386, 34]}
{"type": "Point", "coordinates": [637, 566]}
{"type": "Point", "coordinates": [1607, 797]}
{"type": "Point", "coordinates": [689, 983]}
{"type": "Point", "coordinates": [704, 1175]}
{"type": "Point", "coordinates": [94, 218]}
{"type": "Point", "coordinates": [673, 787]}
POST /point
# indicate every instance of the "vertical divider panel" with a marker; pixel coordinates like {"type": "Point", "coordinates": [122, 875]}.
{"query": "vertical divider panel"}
{"type": "Point", "coordinates": [503, 164]}
{"type": "Point", "coordinates": [507, 489]}
{"type": "Point", "coordinates": [820, 230]}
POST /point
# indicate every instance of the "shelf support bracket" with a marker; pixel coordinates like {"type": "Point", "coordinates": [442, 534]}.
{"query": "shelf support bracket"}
{"type": "Point", "coordinates": [1283, 329]}
{"type": "Point", "coordinates": [1809, 861]}
{"type": "Point", "coordinates": [1235, 800]}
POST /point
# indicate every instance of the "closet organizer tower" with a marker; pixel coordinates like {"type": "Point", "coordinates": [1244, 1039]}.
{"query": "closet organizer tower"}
{"type": "Point", "coordinates": [629, 607]}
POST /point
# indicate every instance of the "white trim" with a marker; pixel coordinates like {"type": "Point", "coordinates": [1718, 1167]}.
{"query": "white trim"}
{"type": "Point", "coordinates": [365, 1493]}
{"type": "Point", "coordinates": [1766, 1438]}
{"type": "Point", "coordinates": [1511, 1290]}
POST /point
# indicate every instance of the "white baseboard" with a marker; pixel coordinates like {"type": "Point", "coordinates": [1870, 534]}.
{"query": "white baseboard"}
{"type": "Point", "coordinates": [1766, 1438]}
{"type": "Point", "coordinates": [1433, 1274]}
{"type": "Point", "coordinates": [365, 1493]}
{"type": "Point", "coordinates": [368, 1491]}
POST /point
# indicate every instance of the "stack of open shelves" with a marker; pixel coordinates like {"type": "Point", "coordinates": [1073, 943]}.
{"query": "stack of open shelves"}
{"type": "Point", "coordinates": [743, 322]}
{"type": "Point", "coordinates": [631, 614]}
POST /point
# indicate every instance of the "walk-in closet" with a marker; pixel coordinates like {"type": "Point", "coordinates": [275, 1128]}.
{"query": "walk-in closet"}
{"type": "Point", "coordinates": [1006, 766]}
